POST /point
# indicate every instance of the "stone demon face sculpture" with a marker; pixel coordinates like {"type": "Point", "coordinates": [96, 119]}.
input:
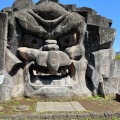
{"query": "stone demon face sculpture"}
{"type": "Point", "coordinates": [53, 49]}
{"type": "Point", "coordinates": [49, 49]}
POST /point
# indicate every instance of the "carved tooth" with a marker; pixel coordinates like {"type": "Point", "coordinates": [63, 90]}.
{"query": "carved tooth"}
{"type": "Point", "coordinates": [67, 71]}
{"type": "Point", "coordinates": [68, 80]}
{"type": "Point", "coordinates": [62, 82]}
{"type": "Point", "coordinates": [34, 72]}
{"type": "Point", "coordinates": [56, 82]}
{"type": "Point", "coordinates": [59, 74]}
{"type": "Point", "coordinates": [37, 81]}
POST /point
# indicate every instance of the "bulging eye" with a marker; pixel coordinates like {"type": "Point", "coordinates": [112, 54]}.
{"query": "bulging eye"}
{"type": "Point", "coordinates": [33, 41]}
{"type": "Point", "coordinates": [68, 40]}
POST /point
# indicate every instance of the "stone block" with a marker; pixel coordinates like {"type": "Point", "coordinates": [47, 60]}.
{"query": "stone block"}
{"type": "Point", "coordinates": [115, 69]}
{"type": "Point", "coordinates": [11, 60]}
{"type": "Point", "coordinates": [101, 38]}
{"type": "Point", "coordinates": [80, 84]}
{"type": "Point", "coordinates": [71, 116]}
{"type": "Point", "coordinates": [77, 106]}
{"type": "Point", "coordinates": [54, 91]}
{"type": "Point", "coordinates": [97, 20]}
{"type": "Point", "coordinates": [101, 60]}
{"type": "Point", "coordinates": [33, 116]}
{"type": "Point", "coordinates": [3, 38]}
{"type": "Point", "coordinates": [109, 115]}
{"type": "Point", "coordinates": [118, 114]}
{"type": "Point", "coordinates": [112, 85]}
{"type": "Point", "coordinates": [46, 116]}
{"type": "Point", "coordinates": [94, 81]}
{"type": "Point", "coordinates": [71, 7]}
{"type": "Point", "coordinates": [59, 116]}
{"type": "Point", "coordinates": [83, 116]}
{"type": "Point", "coordinates": [95, 115]}
{"type": "Point", "coordinates": [5, 117]}
{"type": "Point", "coordinates": [19, 116]}
{"type": "Point", "coordinates": [85, 11]}
{"type": "Point", "coordinates": [6, 87]}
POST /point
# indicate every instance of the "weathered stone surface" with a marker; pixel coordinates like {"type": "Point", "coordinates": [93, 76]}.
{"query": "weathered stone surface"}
{"type": "Point", "coordinates": [109, 115]}
{"type": "Point", "coordinates": [71, 116]}
{"type": "Point", "coordinates": [59, 107]}
{"type": "Point", "coordinates": [97, 20]}
{"type": "Point", "coordinates": [101, 60]}
{"type": "Point", "coordinates": [3, 38]}
{"type": "Point", "coordinates": [80, 83]}
{"type": "Point", "coordinates": [47, 47]}
{"type": "Point", "coordinates": [50, 47]}
{"type": "Point", "coordinates": [18, 80]}
{"type": "Point", "coordinates": [75, 52]}
{"type": "Point", "coordinates": [46, 1]}
{"type": "Point", "coordinates": [19, 116]}
{"type": "Point", "coordinates": [101, 38]}
{"type": "Point", "coordinates": [4, 117]}
{"type": "Point", "coordinates": [95, 115]}
{"type": "Point", "coordinates": [18, 90]}
{"type": "Point", "coordinates": [86, 11]}
{"type": "Point", "coordinates": [112, 85]}
{"type": "Point", "coordinates": [11, 61]}
{"type": "Point", "coordinates": [71, 7]}
{"type": "Point", "coordinates": [83, 116]}
{"type": "Point", "coordinates": [46, 116]}
{"type": "Point", "coordinates": [59, 116]}
{"type": "Point", "coordinates": [33, 116]}
{"type": "Point", "coordinates": [118, 114]}
{"type": "Point", "coordinates": [6, 87]}
{"type": "Point", "coordinates": [115, 69]}
{"type": "Point", "coordinates": [54, 92]}
{"type": "Point", "coordinates": [50, 42]}
{"type": "Point", "coordinates": [94, 81]}
{"type": "Point", "coordinates": [21, 4]}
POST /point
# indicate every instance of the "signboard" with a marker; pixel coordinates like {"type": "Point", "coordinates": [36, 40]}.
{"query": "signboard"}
{"type": "Point", "coordinates": [2, 78]}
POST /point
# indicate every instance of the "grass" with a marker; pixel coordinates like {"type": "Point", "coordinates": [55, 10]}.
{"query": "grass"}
{"type": "Point", "coordinates": [10, 106]}
{"type": "Point", "coordinates": [117, 57]}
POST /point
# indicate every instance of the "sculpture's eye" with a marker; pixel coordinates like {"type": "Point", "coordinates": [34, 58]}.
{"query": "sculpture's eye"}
{"type": "Point", "coordinates": [68, 40]}
{"type": "Point", "coordinates": [33, 41]}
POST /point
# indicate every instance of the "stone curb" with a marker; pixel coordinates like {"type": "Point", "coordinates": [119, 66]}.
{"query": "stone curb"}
{"type": "Point", "coordinates": [62, 116]}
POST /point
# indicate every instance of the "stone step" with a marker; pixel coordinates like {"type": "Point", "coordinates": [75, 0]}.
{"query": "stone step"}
{"type": "Point", "coordinates": [59, 107]}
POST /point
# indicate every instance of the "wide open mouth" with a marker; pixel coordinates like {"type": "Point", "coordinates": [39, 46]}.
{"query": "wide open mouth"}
{"type": "Point", "coordinates": [42, 76]}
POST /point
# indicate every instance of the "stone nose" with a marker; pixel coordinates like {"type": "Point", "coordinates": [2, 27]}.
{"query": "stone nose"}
{"type": "Point", "coordinates": [50, 45]}
{"type": "Point", "coordinates": [53, 60]}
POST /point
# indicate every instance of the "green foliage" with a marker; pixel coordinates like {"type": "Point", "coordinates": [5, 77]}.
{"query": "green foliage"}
{"type": "Point", "coordinates": [117, 57]}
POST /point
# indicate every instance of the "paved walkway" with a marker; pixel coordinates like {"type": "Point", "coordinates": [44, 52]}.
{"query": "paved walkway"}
{"type": "Point", "coordinates": [59, 107]}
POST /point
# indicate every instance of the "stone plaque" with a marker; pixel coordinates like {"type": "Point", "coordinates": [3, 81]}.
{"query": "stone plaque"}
{"type": "Point", "coordinates": [2, 78]}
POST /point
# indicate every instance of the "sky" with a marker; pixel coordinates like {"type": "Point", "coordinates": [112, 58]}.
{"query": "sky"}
{"type": "Point", "coordinates": [107, 8]}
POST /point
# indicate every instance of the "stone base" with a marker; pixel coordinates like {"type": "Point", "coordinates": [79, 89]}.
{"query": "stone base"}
{"type": "Point", "coordinates": [54, 92]}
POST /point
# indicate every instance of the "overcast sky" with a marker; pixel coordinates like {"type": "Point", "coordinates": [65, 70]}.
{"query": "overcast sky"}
{"type": "Point", "coordinates": [108, 8]}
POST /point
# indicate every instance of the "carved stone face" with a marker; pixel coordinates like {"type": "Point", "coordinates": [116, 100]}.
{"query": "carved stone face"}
{"type": "Point", "coordinates": [52, 49]}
